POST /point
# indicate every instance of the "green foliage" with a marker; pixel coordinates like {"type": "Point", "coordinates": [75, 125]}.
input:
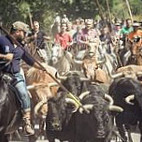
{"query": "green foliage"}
{"type": "Point", "coordinates": [44, 10]}
{"type": "Point", "coordinates": [24, 9]}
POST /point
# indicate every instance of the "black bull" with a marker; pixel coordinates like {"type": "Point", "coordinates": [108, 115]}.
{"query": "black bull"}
{"type": "Point", "coordinates": [79, 126]}
{"type": "Point", "coordinates": [10, 116]}
{"type": "Point", "coordinates": [132, 114]}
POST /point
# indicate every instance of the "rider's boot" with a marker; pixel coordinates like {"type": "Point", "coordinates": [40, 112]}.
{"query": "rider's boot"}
{"type": "Point", "coordinates": [27, 123]}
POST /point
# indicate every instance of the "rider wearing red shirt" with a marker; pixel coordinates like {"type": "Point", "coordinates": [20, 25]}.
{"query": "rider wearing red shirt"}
{"type": "Point", "coordinates": [63, 38]}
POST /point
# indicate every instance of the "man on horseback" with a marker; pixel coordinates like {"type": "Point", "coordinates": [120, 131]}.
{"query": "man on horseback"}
{"type": "Point", "coordinates": [39, 41]}
{"type": "Point", "coordinates": [12, 53]}
{"type": "Point", "coordinates": [63, 38]}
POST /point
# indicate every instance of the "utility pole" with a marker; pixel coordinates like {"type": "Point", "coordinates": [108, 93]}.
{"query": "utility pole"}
{"type": "Point", "coordinates": [129, 9]}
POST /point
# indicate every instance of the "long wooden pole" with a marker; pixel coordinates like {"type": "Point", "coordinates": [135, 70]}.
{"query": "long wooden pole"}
{"type": "Point", "coordinates": [100, 9]}
{"type": "Point", "coordinates": [108, 8]}
{"type": "Point", "coordinates": [129, 9]}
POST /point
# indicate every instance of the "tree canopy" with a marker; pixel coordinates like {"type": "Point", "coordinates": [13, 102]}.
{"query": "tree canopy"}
{"type": "Point", "coordinates": [44, 10]}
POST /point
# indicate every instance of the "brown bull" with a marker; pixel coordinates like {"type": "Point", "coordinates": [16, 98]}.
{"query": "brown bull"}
{"type": "Point", "coordinates": [93, 71]}
{"type": "Point", "coordinates": [42, 87]}
{"type": "Point", "coordinates": [137, 51]}
{"type": "Point", "coordinates": [133, 71]}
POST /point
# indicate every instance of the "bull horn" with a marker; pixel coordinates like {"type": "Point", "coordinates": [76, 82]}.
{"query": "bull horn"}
{"type": "Point", "coordinates": [86, 107]}
{"type": "Point", "coordinates": [113, 76]}
{"type": "Point", "coordinates": [139, 73]}
{"type": "Point", "coordinates": [109, 98]}
{"type": "Point", "coordinates": [30, 87]}
{"type": "Point", "coordinates": [60, 77]}
{"type": "Point", "coordinates": [38, 106]}
{"type": "Point", "coordinates": [52, 84]}
{"type": "Point", "coordinates": [116, 75]}
{"type": "Point", "coordinates": [71, 101]}
{"type": "Point", "coordinates": [78, 61]}
{"type": "Point", "coordinates": [82, 95]}
{"type": "Point", "coordinates": [75, 71]}
{"type": "Point", "coordinates": [84, 79]}
{"type": "Point", "coordinates": [115, 108]}
{"type": "Point", "coordinates": [129, 99]}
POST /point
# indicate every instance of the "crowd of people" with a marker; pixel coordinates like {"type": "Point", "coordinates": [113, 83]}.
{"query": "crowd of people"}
{"type": "Point", "coordinates": [86, 31]}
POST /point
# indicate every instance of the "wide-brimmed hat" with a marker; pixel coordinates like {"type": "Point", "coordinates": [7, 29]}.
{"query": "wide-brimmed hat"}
{"type": "Point", "coordinates": [117, 24]}
{"type": "Point", "coordinates": [89, 22]}
{"type": "Point", "coordinates": [136, 24]}
{"type": "Point", "coordinates": [18, 25]}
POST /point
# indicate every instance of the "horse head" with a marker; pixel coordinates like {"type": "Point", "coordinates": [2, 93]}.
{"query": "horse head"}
{"type": "Point", "coordinates": [57, 53]}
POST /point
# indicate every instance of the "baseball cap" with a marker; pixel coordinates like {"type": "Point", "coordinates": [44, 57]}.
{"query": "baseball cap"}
{"type": "Point", "coordinates": [18, 25]}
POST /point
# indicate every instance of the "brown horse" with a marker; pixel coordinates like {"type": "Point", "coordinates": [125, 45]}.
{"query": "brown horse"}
{"type": "Point", "coordinates": [137, 50]}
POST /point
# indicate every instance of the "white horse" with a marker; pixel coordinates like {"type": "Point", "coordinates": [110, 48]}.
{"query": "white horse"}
{"type": "Point", "coordinates": [61, 59]}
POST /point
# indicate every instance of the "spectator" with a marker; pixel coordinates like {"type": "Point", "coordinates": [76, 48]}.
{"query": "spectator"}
{"type": "Point", "coordinates": [65, 19]}
{"type": "Point", "coordinates": [63, 38]}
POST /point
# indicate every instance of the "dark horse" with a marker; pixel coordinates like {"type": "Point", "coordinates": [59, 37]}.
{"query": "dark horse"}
{"type": "Point", "coordinates": [10, 109]}
{"type": "Point", "coordinates": [10, 114]}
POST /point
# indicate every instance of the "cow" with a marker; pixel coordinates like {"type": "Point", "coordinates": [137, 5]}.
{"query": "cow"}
{"type": "Point", "coordinates": [90, 122]}
{"type": "Point", "coordinates": [92, 68]}
{"type": "Point", "coordinates": [41, 87]}
{"type": "Point", "coordinates": [120, 89]}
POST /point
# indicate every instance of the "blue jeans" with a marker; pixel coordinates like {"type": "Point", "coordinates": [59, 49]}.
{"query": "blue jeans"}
{"type": "Point", "coordinates": [22, 92]}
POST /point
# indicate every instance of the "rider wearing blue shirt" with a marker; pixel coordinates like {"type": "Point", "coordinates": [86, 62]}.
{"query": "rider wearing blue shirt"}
{"type": "Point", "coordinates": [9, 51]}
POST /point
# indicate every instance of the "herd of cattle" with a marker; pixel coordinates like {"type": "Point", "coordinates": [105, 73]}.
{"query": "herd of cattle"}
{"type": "Point", "coordinates": [90, 99]}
